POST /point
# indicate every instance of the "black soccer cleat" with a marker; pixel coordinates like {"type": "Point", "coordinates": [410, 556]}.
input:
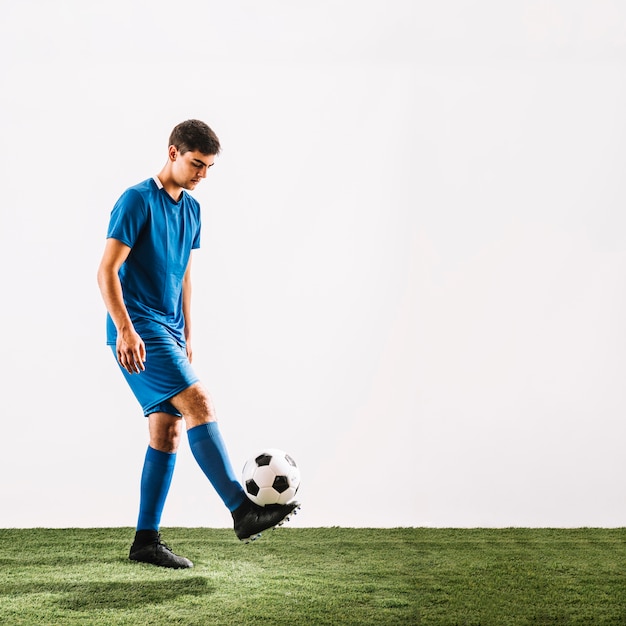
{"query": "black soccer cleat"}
{"type": "Point", "coordinates": [158, 553]}
{"type": "Point", "coordinates": [251, 519]}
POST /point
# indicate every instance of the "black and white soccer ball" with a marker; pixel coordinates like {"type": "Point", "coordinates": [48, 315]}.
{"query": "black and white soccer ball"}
{"type": "Point", "coordinates": [271, 477]}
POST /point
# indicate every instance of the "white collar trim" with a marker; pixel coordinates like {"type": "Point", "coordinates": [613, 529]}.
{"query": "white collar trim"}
{"type": "Point", "coordinates": [159, 184]}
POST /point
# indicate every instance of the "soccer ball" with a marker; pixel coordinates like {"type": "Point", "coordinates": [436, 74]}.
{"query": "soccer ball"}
{"type": "Point", "coordinates": [271, 477]}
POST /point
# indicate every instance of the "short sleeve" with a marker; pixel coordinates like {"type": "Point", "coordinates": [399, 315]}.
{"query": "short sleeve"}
{"type": "Point", "coordinates": [196, 240]}
{"type": "Point", "coordinates": [128, 217]}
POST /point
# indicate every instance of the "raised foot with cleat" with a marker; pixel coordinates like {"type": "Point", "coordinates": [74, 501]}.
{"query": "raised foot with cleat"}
{"type": "Point", "coordinates": [251, 519]}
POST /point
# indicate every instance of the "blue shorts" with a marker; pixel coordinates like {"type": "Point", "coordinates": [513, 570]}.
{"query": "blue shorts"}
{"type": "Point", "coordinates": [167, 373]}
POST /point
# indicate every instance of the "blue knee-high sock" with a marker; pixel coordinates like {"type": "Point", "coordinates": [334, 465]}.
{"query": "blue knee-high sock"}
{"type": "Point", "coordinates": [209, 450]}
{"type": "Point", "coordinates": [156, 478]}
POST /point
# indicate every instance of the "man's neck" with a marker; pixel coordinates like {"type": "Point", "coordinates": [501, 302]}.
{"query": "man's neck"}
{"type": "Point", "coordinates": [173, 190]}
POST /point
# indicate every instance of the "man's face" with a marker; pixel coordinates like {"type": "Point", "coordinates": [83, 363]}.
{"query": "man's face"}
{"type": "Point", "coordinates": [190, 168]}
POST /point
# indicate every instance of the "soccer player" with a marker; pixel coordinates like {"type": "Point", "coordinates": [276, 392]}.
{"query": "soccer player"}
{"type": "Point", "coordinates": [145, 280]}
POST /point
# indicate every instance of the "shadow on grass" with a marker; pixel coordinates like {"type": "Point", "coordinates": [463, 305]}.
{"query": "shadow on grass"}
{"type": "Point", "coordinates": [127, 595]}
{"type": "Point", "coordinates": [115, 595]}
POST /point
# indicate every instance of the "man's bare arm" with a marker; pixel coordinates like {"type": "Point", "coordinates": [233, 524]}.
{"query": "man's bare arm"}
{"type": "Point", "coordinates": [131, 351]}
{"type": "Point", "coordinates": [187, 308]}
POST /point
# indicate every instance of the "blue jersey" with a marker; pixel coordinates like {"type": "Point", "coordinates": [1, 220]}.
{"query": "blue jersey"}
{"type": "Point", "coordinates": [161, 234]}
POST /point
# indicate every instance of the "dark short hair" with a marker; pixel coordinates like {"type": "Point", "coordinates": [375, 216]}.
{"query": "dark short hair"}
{"type": "Point", "coordinates": [193, 135]}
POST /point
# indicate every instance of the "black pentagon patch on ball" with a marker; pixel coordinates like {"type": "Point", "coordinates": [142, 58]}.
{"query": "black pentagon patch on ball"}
{"type": "Point", "coordinates": [280, 484]}
{"type": "Point", "coordinates": [251, 487]}
{"type": "Point", "coordinates": [263, 459]}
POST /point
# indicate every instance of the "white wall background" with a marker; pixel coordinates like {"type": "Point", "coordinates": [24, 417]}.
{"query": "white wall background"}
{"type": "Point", "coordinates": [413, 266]}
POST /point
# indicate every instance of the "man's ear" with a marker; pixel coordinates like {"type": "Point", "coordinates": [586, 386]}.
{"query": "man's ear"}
{"type": "Point", "coordinates": [172, 153]}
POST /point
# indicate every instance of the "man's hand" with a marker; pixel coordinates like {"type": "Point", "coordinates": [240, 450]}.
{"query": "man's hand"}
{"type": "Point", "coordinates": [131, 351]}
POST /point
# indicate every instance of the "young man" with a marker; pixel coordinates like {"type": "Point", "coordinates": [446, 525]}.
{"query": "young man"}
{"type": "Point", "coordinates": [145, 280]}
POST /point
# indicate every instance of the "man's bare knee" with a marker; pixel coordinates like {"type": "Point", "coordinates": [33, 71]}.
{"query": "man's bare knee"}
{"type": "Point", "coordinates": [165, 431]}
{"type": "Point", "coordinates": [195, 404]}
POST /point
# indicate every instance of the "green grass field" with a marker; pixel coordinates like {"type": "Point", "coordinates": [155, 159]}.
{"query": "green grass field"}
{"type": "Point", "coordinates": [318, 576]}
